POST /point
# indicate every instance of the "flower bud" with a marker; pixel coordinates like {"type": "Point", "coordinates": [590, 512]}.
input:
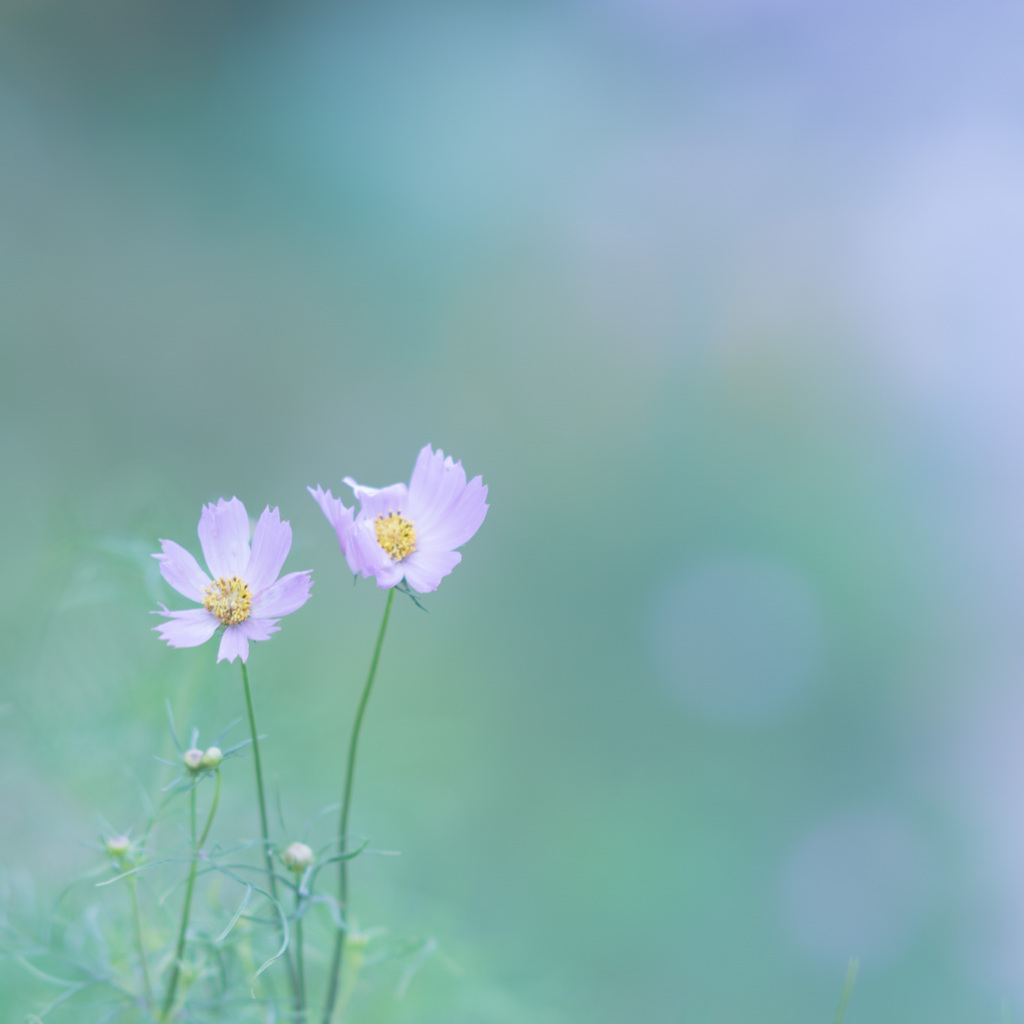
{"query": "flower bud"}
{"type": "Point", "coordinates": [118, 846]}
{"type": "Point", "coordinates": [297, 857]}
{"type": "Point", "coordinates": [212, 758]}
{"type": "Point", "coordinates": [193, 759]}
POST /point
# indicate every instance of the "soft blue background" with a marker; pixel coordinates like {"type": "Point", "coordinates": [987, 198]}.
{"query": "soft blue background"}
{"type": "Point", "coordinates": [723, 299]}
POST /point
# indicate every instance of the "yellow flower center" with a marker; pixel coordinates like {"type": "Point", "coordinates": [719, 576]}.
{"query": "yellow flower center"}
{"type": "Point", "coordinates": [229, 599]}
{"type": "Point", "coordinates": [395, 534]}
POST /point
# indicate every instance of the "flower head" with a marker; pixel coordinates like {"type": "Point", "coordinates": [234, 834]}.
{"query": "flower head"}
{"type": "Point", "coordinates": [409, 532]}
{"type": "Point", "coordinates": [245, 596]}
{"type": "Point", "coordinates": [118, 846]}
{"type": "Point", "coordinates": [212, 757]}
{"type": "Point", "coordinates": [297, 857]}
{"type": "Point", "coordinates": [193, 759]}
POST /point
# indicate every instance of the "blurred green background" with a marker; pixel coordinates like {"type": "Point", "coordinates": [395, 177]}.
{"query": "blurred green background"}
{"type": "Point", "coordinates": [722, 298]}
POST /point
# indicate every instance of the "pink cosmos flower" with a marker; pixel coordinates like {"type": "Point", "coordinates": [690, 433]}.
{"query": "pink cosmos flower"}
{"type": "Point", "coordinates": [245, 595]}
{"type": "Point", "coordinates": [412, 532]}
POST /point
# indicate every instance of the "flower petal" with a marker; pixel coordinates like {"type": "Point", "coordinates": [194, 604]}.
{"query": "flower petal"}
{"type": "Point", "coordinates": [270, 546]}
{"type": "Point", "coordinates": [460, 520]}
{"type": "Point", "coordinates": [425, 569]}
{"type": "Point", "coordinates": [224, 535]}
{"type": "Point", "coordinates": [233, 644]}
{"type": "Point", "coordinates": [436, 482]}
{"type": "Point", "coordinates": [374, 501]}
{"type": "Point", "coordinates": [337, 515]}
{"type": "Point", "coordinates": [287, 595]}
{"type": "Point", "coordinates": [364, 554]}
{"type": "Point", "coordinates": [188, 628]}
{"type": "Point", "coordinates": [182, 571]}
{"type": "Point", "coordinates": [258, 629]}
{"type": "Point", "coordinates": [390, 575]}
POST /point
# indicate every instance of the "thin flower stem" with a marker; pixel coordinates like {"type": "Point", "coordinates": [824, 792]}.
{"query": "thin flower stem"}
{"type": "Point", "coordinates": [147, 985]}
{"type": "Point", "coordinates": [259, 783]}
{"type": "Point", "coordinates": [300, 963]}
{"type": "Point", "coordinates": [197, 846]}
{"type": "Point", "coordinates": [267, 856]}
{"type": "Point", "coordinates": [339, 942]}
{"type": "Point", "coordinates": [213, 811]}
{"type": "Point", "coordinates": [851, 977]}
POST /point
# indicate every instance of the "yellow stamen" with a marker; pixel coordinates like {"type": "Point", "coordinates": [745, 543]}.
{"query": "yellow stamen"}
{"type": "Point", "coordinates": [229, 599]}
{"type": "Point", "coordinates": [395, 534]}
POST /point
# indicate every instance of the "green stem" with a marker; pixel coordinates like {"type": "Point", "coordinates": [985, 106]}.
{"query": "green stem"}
{"type": "Point", "coordinates": [851, 977]}
{"type": "Point", "coordinates": [213, 811]}
{"type": "Point", "coordinates": [259, 784]}
{"type": "Point", "coordinates": [267, 856]}
{"type": "Point", "coordinates": [197, 846]}
{"type": "Point", "coordinates": [147, 986]}
{"type": "Point", "coordinates": [299, 958]}
{"type": "Point", "coordinates": [353, 743]}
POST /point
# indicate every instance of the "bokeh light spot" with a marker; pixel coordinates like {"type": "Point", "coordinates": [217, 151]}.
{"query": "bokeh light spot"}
{"type": "Point", "coordinates": [857, 884]}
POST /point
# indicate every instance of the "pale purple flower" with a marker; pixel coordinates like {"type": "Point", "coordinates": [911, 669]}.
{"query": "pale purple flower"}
{"type": "Point", "coordinates": [245, 595]}
{"type": "Point", "coordinates": [412, 532]}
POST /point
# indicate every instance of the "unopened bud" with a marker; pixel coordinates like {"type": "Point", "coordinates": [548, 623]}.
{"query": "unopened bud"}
{"type": "Point", "coordinates": [297, 857]}
{"type": "Point", "coordinates": [193, 759]}
{"type": "Point", "coordinates": [212, 757]}
{"type": "Point", "coordinates": [118, 846]}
